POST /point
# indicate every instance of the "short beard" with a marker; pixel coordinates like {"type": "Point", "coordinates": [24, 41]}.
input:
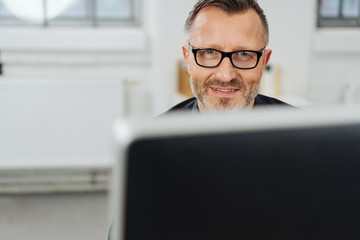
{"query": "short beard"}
{"type": "Point", "coordinates": [200, 92]}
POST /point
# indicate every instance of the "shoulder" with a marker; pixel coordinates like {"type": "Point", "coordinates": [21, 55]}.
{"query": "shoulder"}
{"type": "Point", "coordinates": [187, 105]}
{"type": "Point", "coordinates": [264, 100]}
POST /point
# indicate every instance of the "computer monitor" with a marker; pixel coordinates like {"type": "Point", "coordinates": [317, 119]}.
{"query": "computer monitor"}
{"type": "Point", "coordinates": [258, 175]}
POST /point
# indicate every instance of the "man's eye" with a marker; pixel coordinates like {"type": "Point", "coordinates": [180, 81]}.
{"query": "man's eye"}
{"type": "Point", "coordinates": [242, 53]}
{"type": "Point", "coordinates": [210, 51]}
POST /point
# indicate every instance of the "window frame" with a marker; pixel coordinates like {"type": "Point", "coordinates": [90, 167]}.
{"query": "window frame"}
{"type": "Point", "coordinates": [79, 40]}
{"type": "Point", "coordinates": [92, 20]}
{"type": "Point", "coordinates": [337, 22]}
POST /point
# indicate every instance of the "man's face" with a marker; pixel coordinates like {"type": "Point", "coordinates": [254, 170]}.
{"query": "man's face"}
{"type": "Point", "coordinates": [226, 88]}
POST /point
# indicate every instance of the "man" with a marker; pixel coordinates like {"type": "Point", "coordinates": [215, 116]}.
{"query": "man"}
{"type": "Point", "coordinates": [226, 56]}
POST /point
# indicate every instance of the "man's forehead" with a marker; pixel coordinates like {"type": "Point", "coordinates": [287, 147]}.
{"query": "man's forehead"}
{"type": "Point", "coordinates": [213, 24]}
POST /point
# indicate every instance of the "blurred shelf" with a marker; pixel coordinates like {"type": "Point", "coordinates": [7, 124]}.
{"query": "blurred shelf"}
{"type": "Point", "coordinates": [20, 181]}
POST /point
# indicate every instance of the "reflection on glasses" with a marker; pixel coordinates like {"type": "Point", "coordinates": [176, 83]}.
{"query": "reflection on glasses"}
{"type": "Point", "coordinates": [211, 58]}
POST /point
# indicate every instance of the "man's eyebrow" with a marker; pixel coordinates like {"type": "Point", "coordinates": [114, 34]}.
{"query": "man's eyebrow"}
{"type": "Point", "coordinates": [217, 47]}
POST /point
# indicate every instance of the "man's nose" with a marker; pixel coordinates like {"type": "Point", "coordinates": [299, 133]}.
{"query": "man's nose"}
{"type": "Point", "coordinates": [226, 71]}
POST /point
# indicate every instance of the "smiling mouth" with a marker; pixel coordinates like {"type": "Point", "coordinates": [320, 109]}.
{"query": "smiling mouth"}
{"type": "Point", "coordinates": [225, 90]}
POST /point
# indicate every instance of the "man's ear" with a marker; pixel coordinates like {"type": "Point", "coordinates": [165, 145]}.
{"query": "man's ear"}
{"type": "Point", "coordinates": [185, 50]}
{"type": "Point", "coordinates": [185, 53]}
{"type": "Point", "coordinates": [266, 59]}
{"type": "Point", "coordinates": [267, 55]}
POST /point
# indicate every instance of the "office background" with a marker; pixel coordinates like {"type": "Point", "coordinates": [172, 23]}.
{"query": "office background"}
{"type": "Point", "coordinates": [317, 64]}
{"type": "Point", "coordinates": [138, 62]}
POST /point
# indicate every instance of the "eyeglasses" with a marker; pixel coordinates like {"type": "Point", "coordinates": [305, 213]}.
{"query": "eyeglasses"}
{"type": "Point", "coordinates": [211, 58]}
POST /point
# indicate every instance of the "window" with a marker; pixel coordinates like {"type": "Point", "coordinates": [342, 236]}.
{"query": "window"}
{"type": "Point", "coordinates": [339, 13]}
{"type": "Point", "coordinates": [69, 13]}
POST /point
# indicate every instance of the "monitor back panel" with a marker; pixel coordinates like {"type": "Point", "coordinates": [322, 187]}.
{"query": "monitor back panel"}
{"type": "Point", "coordinates": [274, 184]}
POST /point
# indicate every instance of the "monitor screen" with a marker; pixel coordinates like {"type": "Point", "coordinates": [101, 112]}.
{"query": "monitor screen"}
{"type": "Point", "coordinates": [295, 182]}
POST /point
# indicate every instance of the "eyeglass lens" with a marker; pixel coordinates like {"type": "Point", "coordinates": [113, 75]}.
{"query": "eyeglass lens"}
{"type": "Point", "coordinates": [241, 59]}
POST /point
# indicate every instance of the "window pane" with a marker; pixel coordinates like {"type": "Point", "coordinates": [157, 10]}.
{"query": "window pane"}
{"type": "Point", "coordinates": [3, 11]}
{"type": "Point", "coordinates": [77, 14]}
{"type": "Point", "coordinates": [329, 8]}
{"type": "Point", "coordinates": [76, 10]}
{"type": "Point", "coordinates": [9, 18]}
{"type": "Point", "coordinates": [113, 9]}
{"type": "Point", "coordinates": [72, 12]}
{"type": "Point", "coordinates": [350, 8]}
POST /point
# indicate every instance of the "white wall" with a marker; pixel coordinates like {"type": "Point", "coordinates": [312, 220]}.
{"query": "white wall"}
{"type": "Point", "coordinates": [89, 54]}
{"type": "Point", "coordinates": [318, 65]}
{"type": "Point", "coordinates": [63, 87]}
{"type": "Point", "coordinates": [335, 70]}
{"type": "Point", "coordinates": [167, 37]}
{"type": "Point", "coordinates": [52, 124]}
{"type": "Point", "coordinates": [292, 24]}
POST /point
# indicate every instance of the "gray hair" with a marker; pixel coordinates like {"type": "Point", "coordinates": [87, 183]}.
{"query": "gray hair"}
{"type": "Point", "coordinates": [229, 6]}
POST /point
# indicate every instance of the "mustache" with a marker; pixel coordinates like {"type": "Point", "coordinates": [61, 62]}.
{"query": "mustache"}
{"type": "Point", "coordinates": [234, 83]}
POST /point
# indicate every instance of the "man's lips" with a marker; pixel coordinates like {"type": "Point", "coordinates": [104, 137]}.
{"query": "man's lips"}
{"type": "Point", "coordinates": [224, 92]}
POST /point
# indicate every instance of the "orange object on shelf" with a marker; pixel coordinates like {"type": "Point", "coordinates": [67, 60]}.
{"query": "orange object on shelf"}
{"type": "Point", "coordinates": [184, 80]}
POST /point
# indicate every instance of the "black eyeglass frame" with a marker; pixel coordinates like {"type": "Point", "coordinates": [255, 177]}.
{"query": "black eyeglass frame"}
{"type": "Point", "coordinates": [226, 54]}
